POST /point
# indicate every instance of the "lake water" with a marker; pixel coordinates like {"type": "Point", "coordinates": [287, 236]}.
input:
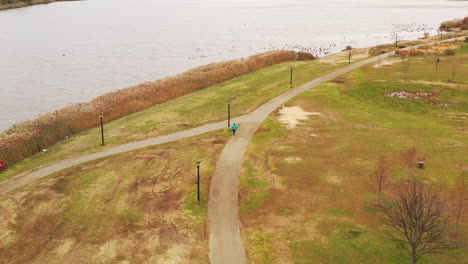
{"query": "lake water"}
{"type": "Point", "coordinates": [68, 52]}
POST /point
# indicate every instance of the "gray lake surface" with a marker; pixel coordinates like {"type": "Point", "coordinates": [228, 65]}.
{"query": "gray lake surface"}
{"type": "Point", "coordinates": [68, 52]}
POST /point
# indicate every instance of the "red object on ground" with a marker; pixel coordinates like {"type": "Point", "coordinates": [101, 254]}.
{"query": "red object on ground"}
{"type": "Point", "coordinates": [3, 166]}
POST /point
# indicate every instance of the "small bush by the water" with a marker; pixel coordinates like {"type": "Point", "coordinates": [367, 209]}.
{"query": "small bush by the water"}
{"type": "Point", "coordinates": [29, 137]}
{"type": "Point", "coordinates": [449, 52]}
{"type": "Point", "coordinates": [457, 23]}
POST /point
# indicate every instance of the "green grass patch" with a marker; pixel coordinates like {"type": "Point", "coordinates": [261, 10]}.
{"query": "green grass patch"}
{"type": "Point", "coordinates": [195, 207]}
{"type": "Point", "coordinates": [270, 129]}
{"type": "Point", "coordinates": [464, 49]}
{"type": "Point", "coordinates": [260, 246]}
{"type": "Point", "coordinates": [255, 200]}
{"type": "Point", "coordinates": [131, 215]}
{"type": "Point", "coordinates": [337, 212]}
{"type": "Point", "coordinates": [285, 211]}
{"type": "Point", "coordinates": [249, 179]}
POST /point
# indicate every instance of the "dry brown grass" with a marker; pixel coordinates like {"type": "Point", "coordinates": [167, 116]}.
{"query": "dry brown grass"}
{"type": "Point", "coordinates": [112, 210]}
{"type": "Point", "coordinates": [438, 49]}
{"type": "Point", "coordinates": [29, 137]}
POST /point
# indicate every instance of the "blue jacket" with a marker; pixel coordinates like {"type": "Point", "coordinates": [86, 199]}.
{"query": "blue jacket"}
{"type": "Point", "coordinates": [234, 127]}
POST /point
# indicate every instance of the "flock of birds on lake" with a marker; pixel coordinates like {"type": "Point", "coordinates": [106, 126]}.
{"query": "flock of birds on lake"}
{"type": "Point", "coordinates": [319, 49]}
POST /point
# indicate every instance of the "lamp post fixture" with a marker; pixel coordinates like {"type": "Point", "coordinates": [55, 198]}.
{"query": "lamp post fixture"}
{"type": "Point", "coordinates": [102, 129]}
{"type": "Point", "coordinates": [349, 48]}
{"type": "Point", "coordinates": [349, 57]}
{"type": "Point", "coordinates": [198, 181]}
{"type": "Point", "coordinates": [229, 113]}
{"type": "Point", "coordinates": [291, 77]}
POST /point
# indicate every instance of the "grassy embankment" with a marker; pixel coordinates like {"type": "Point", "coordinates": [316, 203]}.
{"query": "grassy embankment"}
{"type": "Point", "coordinates": [131, 206]}
{"type": "Point", "coordinates": [30, 137]}
{"type": "Point", "coordinates": [141, 205]}
{"type": "Point", "coordinates": [306, 195]}
{"type": "Point", "coordinates": [9, 4]}
{"type": "Point", "coordinates": [205, 106]}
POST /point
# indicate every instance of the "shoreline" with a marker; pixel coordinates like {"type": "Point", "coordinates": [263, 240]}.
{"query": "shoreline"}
{"type": "Point", "coordinates": [32, 3]}
{"type": "Point", "coordinates": [26, 138]}
{"type": "Point", "coordinates": [401, 42]}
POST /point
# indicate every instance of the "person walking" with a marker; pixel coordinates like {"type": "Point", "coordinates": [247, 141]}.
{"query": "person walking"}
{"type": "Point", "coordinates": [234, 128]}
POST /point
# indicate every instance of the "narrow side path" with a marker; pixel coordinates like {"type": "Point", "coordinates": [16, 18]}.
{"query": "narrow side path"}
{"type": "Point", "coordinates": [225, 241]}
{"type": "Point", "coordinates": [28, 177]}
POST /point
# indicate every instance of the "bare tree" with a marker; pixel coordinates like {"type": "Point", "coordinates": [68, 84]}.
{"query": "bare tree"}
{"type": "Point", "coordinates": [380, 174]}
{"type": "Point", "coordinates": [418, 218]}
{"type": "Point", "coordinates": [408, 158]}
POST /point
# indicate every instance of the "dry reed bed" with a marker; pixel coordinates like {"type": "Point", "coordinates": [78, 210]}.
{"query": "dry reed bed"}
{"type": "Point", "coordinates": [25, 139]}
{"type": "Point", "coordinates": [438, 49]}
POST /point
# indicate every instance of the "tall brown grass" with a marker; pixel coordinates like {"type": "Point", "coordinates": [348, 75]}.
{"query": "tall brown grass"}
{"type": "Point", "coordinates": [438, 49]}
{"type": "Point", "coordinates": [29, 137]}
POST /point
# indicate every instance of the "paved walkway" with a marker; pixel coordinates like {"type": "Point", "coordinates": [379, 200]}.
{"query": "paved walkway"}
{"type": "Point", "coordinates": [226, 245]}
{"type": "Point", "coordinates": [28, 177]}
{"type": "Point", "coordinates": [225, 240]}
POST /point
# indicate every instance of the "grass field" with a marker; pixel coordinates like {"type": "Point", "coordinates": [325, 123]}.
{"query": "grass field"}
{"type": "Point", "coordinates": [139, 206]}
{"type": "Point", "coordinates": [206, 106]}
{"type": "Point", "coordinates": [306, 195]}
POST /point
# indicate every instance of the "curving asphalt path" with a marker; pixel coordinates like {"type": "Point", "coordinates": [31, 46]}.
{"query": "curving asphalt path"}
{"type": "Point", "coordinates": [28, 177]}
{"type": "Point", "coordinates": [226, 245]}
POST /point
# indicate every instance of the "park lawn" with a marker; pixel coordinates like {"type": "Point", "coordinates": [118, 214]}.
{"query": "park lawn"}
{"type": "Point", "coordinates": [199, 108]}
{"type": "Point", "coordinates": [139, 206]}
{"type": "Point", "coordinates": [306, 195]}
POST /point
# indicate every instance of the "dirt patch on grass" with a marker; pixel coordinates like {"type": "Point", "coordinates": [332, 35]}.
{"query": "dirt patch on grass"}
{"type": "Point", "coordinates": [291, 116]}
{"type": "Point", "coordinates": [292, 160]}
{"type": "Point", "coordinates": [458, 86]}
{"type": "Point", "coordinates": [385, 63]}
{"type": "Point", "coordinates": [428, 97]}
{"type": "Point", "coordinates": [411, 95]}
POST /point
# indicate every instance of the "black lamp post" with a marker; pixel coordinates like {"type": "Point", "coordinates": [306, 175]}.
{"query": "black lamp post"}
{"type": "Point", "coordinates": [102, 129]}
{"type": "Point", "coordinates": [198, 180]}
{"type": "Point", "coordinates": [291, 77]}
{"type": "Point", "coordinates": [349, 48]}
{"type": "Point", "coordinates": [229, 113]}
{"type": "Point", "coordinates": [349, 57]}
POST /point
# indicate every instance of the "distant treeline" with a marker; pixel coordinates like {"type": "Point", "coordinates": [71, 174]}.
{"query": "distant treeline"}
{"type": "Point", "coordinates": [7, 4]}
{"type": "Point", "coordinates": [29, 137]}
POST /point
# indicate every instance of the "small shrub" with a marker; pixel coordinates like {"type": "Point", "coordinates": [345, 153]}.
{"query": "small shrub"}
{"type": "Point", "coordinates": [449, 52]}
{"type": "Point", "coordinates": [301, 56]}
